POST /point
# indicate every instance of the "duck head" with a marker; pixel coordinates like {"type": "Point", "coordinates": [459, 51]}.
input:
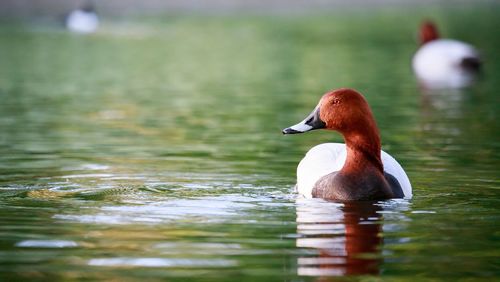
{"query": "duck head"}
{"type": "Point", "coordinates": [343, 110]}
{"type": "Point", "coordinates": [428, 32]}
{"type": "Point", "coordinates": [346, 111]}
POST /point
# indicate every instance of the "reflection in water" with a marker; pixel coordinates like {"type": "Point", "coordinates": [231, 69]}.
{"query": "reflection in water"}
{"type": "Point", "coordinates": [441, 115]}
{"type": "Point", "coordinates": [347, 237]}
{"type": "Point", "coordinates": [161, 262]}
{"type": "Point", "coordinates": [438, 108]}
{"type": "Point", "coordinates": [160, 210]}
{"type": "Point", "coordinates": [448, 102]}
{"type": "Point", "coordinates": [46, 244]}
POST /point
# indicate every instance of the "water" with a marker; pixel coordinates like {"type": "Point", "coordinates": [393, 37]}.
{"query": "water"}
{"type": "Point", "coordinates": [152, 150]}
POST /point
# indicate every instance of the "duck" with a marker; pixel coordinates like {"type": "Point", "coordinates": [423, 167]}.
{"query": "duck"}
{"type": "Point", "coordinates": [83, 20]}
{"type": "Point", "coordinates": [357, 170]}
{"type": "Point", "coordinates": [444, 63]}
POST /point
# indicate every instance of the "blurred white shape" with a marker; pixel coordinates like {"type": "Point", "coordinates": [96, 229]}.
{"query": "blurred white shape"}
{"type": "Point", "coordinates": [335, 245]}
{"type": "Point", "coordinates": [88, 166]}
{"type": "Point", "coordinates": [46, 244]}
{"type": "Point", "coordinates": [423, 212]}
{"type": "Point", "coordinates": [176, 245]}
{"type": "Point", "coordinates": [316, 261]}
{"type": "Point", "coordinates": [161, 262]}
{"type": "Point", "coordinates": [440, 64]}
{"type": "Point", "coordinates": [82, 20]}
{"type": "Point", "coordinates": [315, 271]}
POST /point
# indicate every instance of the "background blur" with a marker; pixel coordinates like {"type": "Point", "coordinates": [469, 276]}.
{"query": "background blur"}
{"type": "Point", "coordinates": [113, 8]}
{"type": "Point", "coordinates": [151, 148]}
{"type": "Point", "coordinates": [51, 8]}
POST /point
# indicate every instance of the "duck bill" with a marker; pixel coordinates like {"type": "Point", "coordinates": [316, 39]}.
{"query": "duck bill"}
{"type": "Point", "coordinates": [311, 122]}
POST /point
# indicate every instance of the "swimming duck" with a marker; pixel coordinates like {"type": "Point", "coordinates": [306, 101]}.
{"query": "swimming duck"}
{"type": "Point", "coordinates": [356, 170]}
{"type": "Point", "coordinates": [444, 63]}
{"type": "Point", "coordinates": [83, 20]}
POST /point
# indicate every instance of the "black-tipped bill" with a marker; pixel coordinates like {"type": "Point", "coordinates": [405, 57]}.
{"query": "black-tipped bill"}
{"type": "Point", "coordinates": [311, 122]}
{"type": "Point", "coordinates": [289, 130]}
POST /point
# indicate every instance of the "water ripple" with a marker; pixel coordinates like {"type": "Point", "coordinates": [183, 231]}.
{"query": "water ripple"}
{"type": "Point", "coordinates": [210, 209]}
{"type": "Point", "coordinates": [46, 244]}
{"type": "Point", "coordinates": [161, 262]}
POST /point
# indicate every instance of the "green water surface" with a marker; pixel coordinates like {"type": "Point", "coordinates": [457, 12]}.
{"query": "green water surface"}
{"type": "Point", "coordinates": [151, 150]}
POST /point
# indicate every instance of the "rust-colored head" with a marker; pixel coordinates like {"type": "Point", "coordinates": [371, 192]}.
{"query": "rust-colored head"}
{"type": "Point", "coordinates": [428, 32]}
{"type": "Point", "coordinates": [344, 110]}
{"type": "Point", "coordinates": [347, 112]}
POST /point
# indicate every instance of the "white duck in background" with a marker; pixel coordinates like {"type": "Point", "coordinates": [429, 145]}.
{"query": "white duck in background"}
{"type": "Point", "coordinates": [444, 63]}
{"type": "Point", "coordinates": [356, 170]}
{"type": "Point", "coordinates": [83, 20]}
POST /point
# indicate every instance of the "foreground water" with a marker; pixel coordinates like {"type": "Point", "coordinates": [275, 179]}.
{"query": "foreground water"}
{"type": "Point", "coordinates": [152, 150]}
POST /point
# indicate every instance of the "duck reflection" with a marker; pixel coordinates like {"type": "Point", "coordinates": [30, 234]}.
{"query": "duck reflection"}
{"type": "Point", "coordinates": [347, 237]}
{"type": "Point", "coordinates": [444, 102]}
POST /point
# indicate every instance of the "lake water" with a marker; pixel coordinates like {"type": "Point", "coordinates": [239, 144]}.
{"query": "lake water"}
{"type": "Point", "coordinates": [152, 150]}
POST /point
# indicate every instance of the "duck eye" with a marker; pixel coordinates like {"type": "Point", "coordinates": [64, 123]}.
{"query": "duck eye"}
{"type": "Point", "coordinates": [335, 101]}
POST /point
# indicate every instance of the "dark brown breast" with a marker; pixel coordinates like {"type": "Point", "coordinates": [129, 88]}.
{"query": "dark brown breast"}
{"type": "Point", "coordinates": [369, 186]}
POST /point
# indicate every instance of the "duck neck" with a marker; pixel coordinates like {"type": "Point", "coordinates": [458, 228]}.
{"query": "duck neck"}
{"type": "Point", "coordinates": [363, 150]}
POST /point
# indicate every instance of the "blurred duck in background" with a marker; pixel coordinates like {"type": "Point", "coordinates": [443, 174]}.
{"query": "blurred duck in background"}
{"type": "Point", "coordinates": [444, 63]}
{"type": "Point", "coordinates": [83, 20]}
